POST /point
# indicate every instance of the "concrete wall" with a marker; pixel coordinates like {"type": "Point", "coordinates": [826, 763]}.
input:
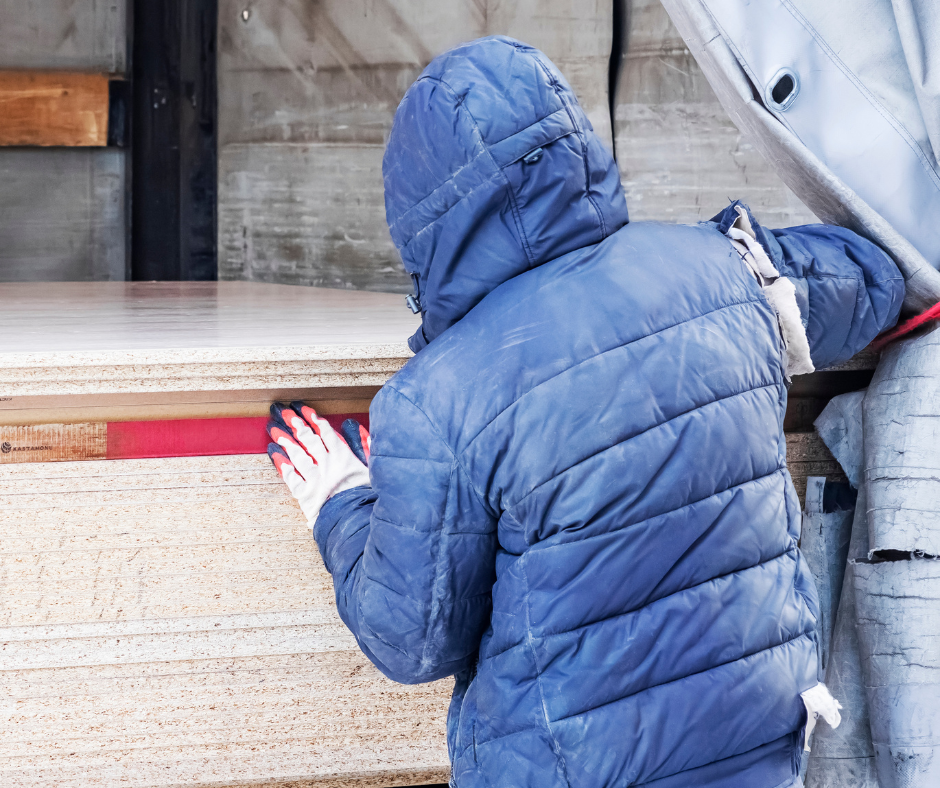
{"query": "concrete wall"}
{"type": "Point", "coordinates": [307, 92]}
{"type": "Point", "coordinates": [81, 35]}
{"type": "Point", "coordinates": [62, 210]}
{"type": "Point", "coordinates": [61, 214]}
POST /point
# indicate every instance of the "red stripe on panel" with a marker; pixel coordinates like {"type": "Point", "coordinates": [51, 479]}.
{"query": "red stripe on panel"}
{"type": "Point", "coordinates": [131, 440]}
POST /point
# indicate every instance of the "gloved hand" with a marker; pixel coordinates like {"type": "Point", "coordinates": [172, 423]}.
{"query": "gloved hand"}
{"type": "Point", "coordinates": [358, 439]}
{"type": "Point", "coordinates": [314, 461]}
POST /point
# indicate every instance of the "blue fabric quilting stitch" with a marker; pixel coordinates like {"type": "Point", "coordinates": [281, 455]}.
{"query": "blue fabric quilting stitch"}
{"type": "Point", "coordinates": [523, 278]}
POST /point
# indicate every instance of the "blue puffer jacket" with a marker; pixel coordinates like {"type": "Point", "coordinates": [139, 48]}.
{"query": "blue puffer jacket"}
{"type": "Point", "coordinates": [579, 503]}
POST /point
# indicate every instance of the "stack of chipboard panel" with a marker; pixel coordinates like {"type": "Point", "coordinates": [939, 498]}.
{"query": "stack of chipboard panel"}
{"type": "Point", "coordinates": [166, 620]}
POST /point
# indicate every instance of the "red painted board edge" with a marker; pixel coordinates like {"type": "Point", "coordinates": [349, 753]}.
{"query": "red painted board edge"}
{"type": "Point", "coordinates": [136, 440]}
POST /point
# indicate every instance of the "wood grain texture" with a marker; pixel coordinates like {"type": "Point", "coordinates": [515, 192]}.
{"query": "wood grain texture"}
{"type": "Point", "coordinates": [169, 623]}
{"type": "Point", "coordinates": [53, 108]}
{"type": "Point", "coordinates": [53, 442]}
{"type": "Point", "coordinates": [134, 407]}
{"type": "Point", "coordinates": [807, 456]}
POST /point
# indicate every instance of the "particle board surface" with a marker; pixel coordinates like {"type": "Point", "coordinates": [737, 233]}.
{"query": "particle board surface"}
{"type": "Point", "coordinates": [169, 623]}
{"type": "Point", "coordinates": [807, 455]}
{"type": "Point", "coordinates": [118, 338]}
{"type": "Point", "coordinates": [161, 406]}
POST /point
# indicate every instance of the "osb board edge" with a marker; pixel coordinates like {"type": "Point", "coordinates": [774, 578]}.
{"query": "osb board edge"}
{"type": "Point", "coordinates": [208, 410]}
{"type": "Point", "coordinates": [388, 779]}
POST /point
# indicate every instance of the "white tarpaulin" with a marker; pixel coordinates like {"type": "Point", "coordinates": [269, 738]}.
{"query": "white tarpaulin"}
{"type": "Point", "coordinates": [844, 757]}
{"type": "Point", "coordinates": [897, 604]}
{"type": "Point", "coordinates": [898, 600]}
{"type": "Point", "coordinates": [824, 542]}
{"type": "Point", "coordinates": [902, 448]}
{"type": "Point", "coordinates": [843, 97]}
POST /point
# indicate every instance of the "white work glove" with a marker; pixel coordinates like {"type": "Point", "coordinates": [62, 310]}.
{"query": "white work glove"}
{"type": "Point", "coordinates": [312, 458]}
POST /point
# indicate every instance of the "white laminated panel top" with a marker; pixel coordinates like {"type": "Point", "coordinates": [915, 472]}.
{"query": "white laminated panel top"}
{"type": "Point", "coordinates": [170, 623]}
{"type": "Point", "coordinates": [128, 338]}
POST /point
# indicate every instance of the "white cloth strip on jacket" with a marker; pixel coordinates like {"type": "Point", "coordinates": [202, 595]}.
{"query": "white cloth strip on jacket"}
{"type": "Point", "coordinates": [778, 290]}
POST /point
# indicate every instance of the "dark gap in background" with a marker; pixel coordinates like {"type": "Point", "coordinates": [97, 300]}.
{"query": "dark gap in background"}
{"type": "Point", "coordinates": [809, 394]}
{"type": "Point", "coordinates": [174, 140]}
{"type": "Point", "coordinates": [617, 44]}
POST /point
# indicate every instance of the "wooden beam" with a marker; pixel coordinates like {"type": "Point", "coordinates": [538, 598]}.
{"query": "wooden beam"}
{"type": "Point", "coordinates": [54, 108]}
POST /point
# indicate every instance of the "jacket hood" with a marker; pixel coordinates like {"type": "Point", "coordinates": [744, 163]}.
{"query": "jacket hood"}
{"type": "Point", "coordinates": [492, 168]}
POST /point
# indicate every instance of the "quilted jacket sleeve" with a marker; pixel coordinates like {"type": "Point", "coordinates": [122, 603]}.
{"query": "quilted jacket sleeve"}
{"type": "Point", "coordinates": [412, 557]}
{"type": "Point", "coordinates": [847, 289]}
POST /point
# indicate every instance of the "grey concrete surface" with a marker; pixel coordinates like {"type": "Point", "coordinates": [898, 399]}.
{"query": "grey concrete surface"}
{"type": "Point", "coordinates": [307, 93]}
{"type": "Point", "coordinates": [301, 214]}
{"type": "Point", "coordinates": [86, 35]}
{"type": "Point", "coordinates": [62, 210]}
{"type": "Point", "coordinates": [62, 214]}
{"type": "Point", "coordinates": [334, 71]}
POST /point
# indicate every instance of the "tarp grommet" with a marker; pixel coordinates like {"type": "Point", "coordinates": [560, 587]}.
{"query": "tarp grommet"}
{"type": "Point", "coordinates": [782, 89]}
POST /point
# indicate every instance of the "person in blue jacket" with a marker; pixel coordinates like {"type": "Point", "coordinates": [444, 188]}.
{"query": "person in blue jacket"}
{"type": "Point", "coordinates": [577, 500]}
